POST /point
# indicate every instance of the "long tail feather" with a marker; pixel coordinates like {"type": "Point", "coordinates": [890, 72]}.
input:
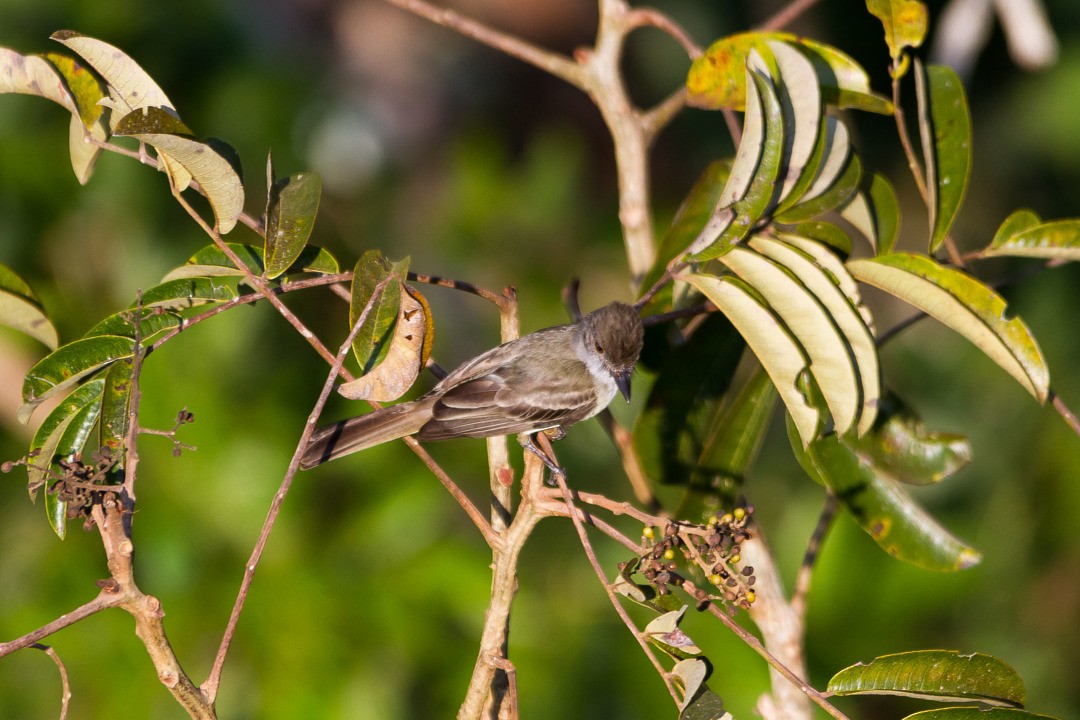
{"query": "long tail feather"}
{"type": "Point", "coordinates": [359, 433]}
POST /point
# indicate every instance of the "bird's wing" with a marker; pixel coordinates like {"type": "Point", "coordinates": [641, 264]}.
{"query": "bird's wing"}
{"type": "Point", "coordinates": [485, 406]}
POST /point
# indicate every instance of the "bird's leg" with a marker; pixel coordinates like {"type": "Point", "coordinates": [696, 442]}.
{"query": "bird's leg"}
{"type": "Point", "coordinates": [546, 453]}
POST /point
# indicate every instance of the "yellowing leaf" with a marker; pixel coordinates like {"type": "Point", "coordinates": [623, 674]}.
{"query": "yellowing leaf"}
{"type": "Point", "coordinates": [905, 24]}
{"type": "Point", "coordinates": [409, 350]}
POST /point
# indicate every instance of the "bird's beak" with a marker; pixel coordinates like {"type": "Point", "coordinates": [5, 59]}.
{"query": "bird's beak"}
{"type": "Point", "coordinates": [622, 381]}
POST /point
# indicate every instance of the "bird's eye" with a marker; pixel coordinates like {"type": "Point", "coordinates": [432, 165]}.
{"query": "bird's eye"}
{"type": "Point", "coordinates": [599, 348]}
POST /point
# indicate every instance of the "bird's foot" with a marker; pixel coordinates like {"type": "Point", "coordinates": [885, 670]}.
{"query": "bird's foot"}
{"type": "Point", "coordinates": [539, 452]}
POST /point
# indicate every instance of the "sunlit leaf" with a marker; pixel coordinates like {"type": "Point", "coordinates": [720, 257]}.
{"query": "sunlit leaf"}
{"type": "Point", "coordinates": [817, 201]}
{"type": "Point", "coordinates": [67, 365]}
{"type": "Point", "coordinates": [130, 87]}
{"type": "Point", "coordinates": [818, 240]}
{"type": "Point", "coordinates": [880, 505]}
{"type": "Point", "coordinates": [47, 444]}
{"type": "Point", "coordinates": [291, 207]}
{"type": "Point", "coordinates": [945, 128]}
{"type": "Point", "coordinates": [210, 261]}
{"type": "Point", "coordinates": [942, 675]}
{"type": "Point", "coordinates": [190, 292]}
{"type": "Point", "coordinates": [721, 234]}
{"type": "Point", "coordinates": [20, 309]}
{"type": "Point", "coordinates": [831, 361]}
{"type": "Point", "coordinates": [699, 702]}
{"type": "Point", "coordinates": [409, 350]}
{"type": "Point", "coordinates": [965, 305]}
{"type": "Point", "coordinates": [115, 406]}
{"type": "Point", "coordinates": [33, 75]}
{"type": "Point", "coordinates": [209, 163]}
{"type": "Point", "coordinates": [376, 335]}
{"type": "Point", "coordinates": [1055, 240]}
{"type": "Point", "coordinates": [1016, 223]}
{"type": "Point", "coordinates": [800, 103]}
{"type": "Point", "coordinates": [905, 22]}
{"type": "Point", "coordinates": [875, 213]}
{"type": "Point", "coordinates": [717, 79]}
{"type": "Point", "coordinates": [780, 355]}
{"type": "Point", "coordinates": [839, 359]}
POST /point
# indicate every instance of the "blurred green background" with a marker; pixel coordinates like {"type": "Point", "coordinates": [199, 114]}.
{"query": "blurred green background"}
{"type": "Point", "coordinates": [370, 597]}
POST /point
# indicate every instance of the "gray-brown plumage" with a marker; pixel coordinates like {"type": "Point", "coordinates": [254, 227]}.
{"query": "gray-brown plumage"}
{"type": "Point", "coordinates": [550, 378]}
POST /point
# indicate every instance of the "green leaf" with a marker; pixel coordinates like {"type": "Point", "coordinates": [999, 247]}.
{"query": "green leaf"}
{"type": "Point", "coordinates": [20, 309]}
{"type": "Point", "coordinates": [67, 365]}
{"type": "Point", "coordinates": [974, 713]}
{"type": "Point", "coordinates": [1055, 240]}
{"type": "Point", "coordinates": [699, 702]}
{"type": "Point", "coordinates": [115, 406]}
{"type": "Point", "coordinates": [210, 261]}
{"type": "Point", "coordinates": [879, 504]}
{"type": "Point", "coordinates": [209, 163]}
{"type": "Point", "coordinates": [1016, 223]}
{"type": "Point", "coordinates": [934, 675]}
{"type": "Point", "coordinates": [875, 212]}
{"type": "Point", "coordinates": [63, 432]}
{"type": "Point", "coordinates": [832, 362]}
{"type": "Point", "coordinates": [965, 305]}
{"type": "Point", "coordinates": [779, 353]}
{"type": "Point", "coordinates": [901, 447]}
{"type": "Point", "coordinates": [743, 203]}
{"type": "Point", "coordinates": [695, 211]}
{"type": "Point", "coordinates": [290, 216]}
{"type": "Point", "coordinates": [729, 446]}
{"type": "Point", "coordinates": [717, 79]}
{"type": "Point", "coordinates": [190, 292]}
{"type": "Point", "coordinates": [151, 324]}
{"type": "Point", "coordinates": [839, 355]}
{"type": "Point", "coordinates": [945, 128]}
{"type": "Point", "coordinates": [823, 197]}
{"type": "Point", "coordinates": [905, 22]}
{"type": "Point", "coordinates": [670, 434]}
{"type": "Point", "coordinates": [374, 338]}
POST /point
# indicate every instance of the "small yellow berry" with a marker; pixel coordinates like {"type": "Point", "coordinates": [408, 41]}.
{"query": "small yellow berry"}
{"type": "Point", "coordinates": [726, 518]}
{"type": "Point", "coordinates": [649, 533]}
{"type": "Point", "coordinates": [750, 595]}
{"type": "Point", "coordinates": [715, 579]}
{"type": "Point", "coordinates": [739, 513]}
{"type": "Point", "coordinates": [734, 559]}
{"type": "Point", "coordinates": [669, 554]}
{"type": "Point", "coordinates": [712, 520]}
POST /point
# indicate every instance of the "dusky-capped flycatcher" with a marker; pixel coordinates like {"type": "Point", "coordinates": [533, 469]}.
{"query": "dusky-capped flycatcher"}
{"type": "Point", "coordinates": [551, 378]}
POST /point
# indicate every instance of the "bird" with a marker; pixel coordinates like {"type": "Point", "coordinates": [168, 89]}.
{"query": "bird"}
{"type": "Point", "coordinates": [546, 380]}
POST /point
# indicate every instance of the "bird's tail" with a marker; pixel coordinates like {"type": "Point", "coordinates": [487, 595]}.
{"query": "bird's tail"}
{"type": "Point", "coordinates": [360, 433]}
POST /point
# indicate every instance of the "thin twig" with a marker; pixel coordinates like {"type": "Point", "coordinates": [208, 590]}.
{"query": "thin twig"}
{"type": "Point", "coordinates": [905, 142]}
{"type": "Point", "coordinates": [65, 694]}
{"type": "Point", "coordinates": [551, 62]}
{"type": "Point", "coordinates": [644, 16]}
{"type": "Point", "coordinates": [99, 603]}
{"type": "Point", "coordinates": [609, 591]}
{"type": "Point", "coordinates": [1063, 410]}
{"type": "Point", "coordinates": [747, 637]}
{"type": "Point", "coordinates": [806, 568]}
{"type": "Point", "coordinates": [213, 680]}
{"type": "Point", "coordinates": [788, 15]}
